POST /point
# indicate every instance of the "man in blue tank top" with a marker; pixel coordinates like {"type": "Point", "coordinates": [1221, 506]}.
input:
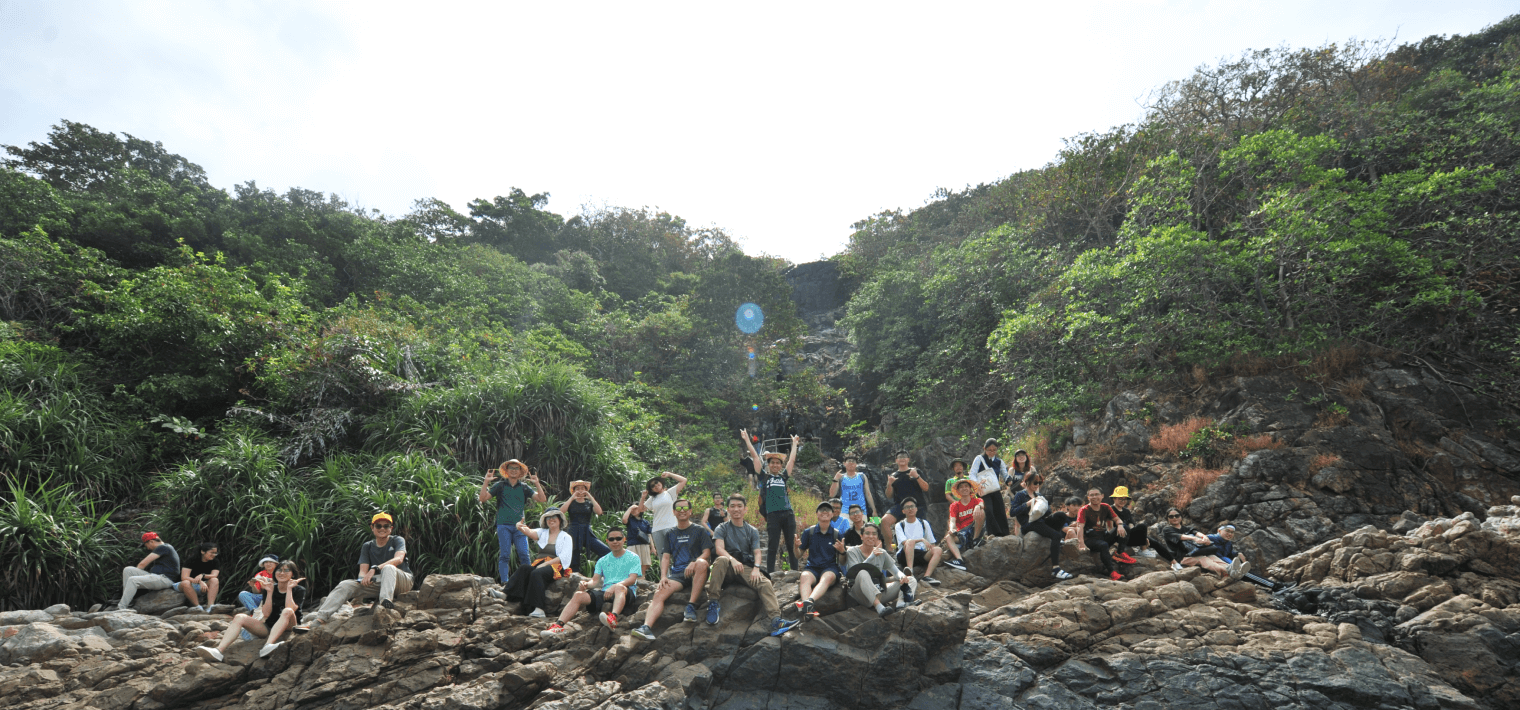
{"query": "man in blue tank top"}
{"type": "Point", "coordinates": [852, 487]}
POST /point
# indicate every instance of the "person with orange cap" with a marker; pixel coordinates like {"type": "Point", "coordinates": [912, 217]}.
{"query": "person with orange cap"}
{"type": "Point", "coordinates": [383, 557]}
{"type": "Point", "coordinates": [153, 572]}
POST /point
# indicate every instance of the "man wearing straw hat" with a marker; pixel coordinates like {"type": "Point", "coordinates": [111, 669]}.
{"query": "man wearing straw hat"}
{"type": "Point", "coordinates": [512, 494]}
{"type": "Point", "coordinates": [383, 557]}
{"type": "Point", "coordinates": [581, 507]}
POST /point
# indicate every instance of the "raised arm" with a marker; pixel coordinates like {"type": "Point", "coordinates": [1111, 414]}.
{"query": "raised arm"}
{"type": "Point", "coordinates": [680, 483]}
{"type": "Point", "coordinates": [791, 458]}
{"type": "Point", "coordinates": [754, 457]}
{"type": "Point", "coordinates": [485, 486]}
{"type": "Point", "coordinates": [595, 506]}
{"type": "Point", "coordinates": [538, 488]}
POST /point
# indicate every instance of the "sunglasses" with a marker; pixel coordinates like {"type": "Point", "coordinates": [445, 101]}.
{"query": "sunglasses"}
{"type": "Point", "coordinates": [382, 526]}
{"type": "Point", "coordinates": [614, 539]}
{"type": "Point", "coordinates": [683, 507]}
{"type": "Point", "coordinates": [1173, 517]}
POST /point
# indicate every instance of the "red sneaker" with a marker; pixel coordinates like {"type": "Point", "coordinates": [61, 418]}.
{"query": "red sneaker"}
{"type": "Point", "coordinates": [1115, 576]}
{"type": "Point", "coordinates": [1123, 557]}
{"type": "Point", "coordinates": [610, 620]}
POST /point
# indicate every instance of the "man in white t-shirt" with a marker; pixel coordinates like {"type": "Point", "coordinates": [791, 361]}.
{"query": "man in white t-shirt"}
{"type": "Point", "coordinates": [660, 501]}
{"type": "Point", "coordinates": [914, 539]}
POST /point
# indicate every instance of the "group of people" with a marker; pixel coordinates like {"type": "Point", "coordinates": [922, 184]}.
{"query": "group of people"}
{"type": "Point", "coordinates": [698, 554]}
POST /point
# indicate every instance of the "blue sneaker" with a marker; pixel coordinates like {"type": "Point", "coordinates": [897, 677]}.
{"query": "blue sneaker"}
{"type": "Point", "coordinates": [712, 612]}
{"type": "Point", "coordinates": [691, 613]}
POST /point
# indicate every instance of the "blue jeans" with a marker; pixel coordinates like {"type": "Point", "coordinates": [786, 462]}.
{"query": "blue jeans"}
{"type": "Point", "coordinates": [251, 602]}
{"type": "Point", "coordinates": [507, 537]}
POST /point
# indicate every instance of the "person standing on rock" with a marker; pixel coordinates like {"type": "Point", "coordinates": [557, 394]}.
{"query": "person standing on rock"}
{"type": "Point", "coordinates": [821, 545]}
{"type": "Point", "coordinates": [957, 472]}
{"type": "Point", "coordinates": [157, 570]}
{"type": "Point", "coordinates": [988, 472]}
{"type": "Point", "coordinates": [683, 565]}
{"type": "Point", "coordinates": [780, 522]}
{"type": "Point", "coordinates": [903, 484]}
{"type": "Point", "coordinates": [736, 546]}
{"type": "Point", "coordinates": [1099, 529]}
{"type": "Point", "coordinates": [965, 524]}
{"type": "Point", "coordinates": [1138, 536]}
{"type": "Point", "coordinates": [1032, 520]}
{"type": "Point", "coordinates": [582, 507]}
{"type": "Point", "coordinates": [660, 501]}
{"type": "Point", "coordinates": [282, 604]}
{"type": "Point", "coordinates": [875, 579]}
{"type": "Point", "coordinates": [715, 514]}
{"type": "Point", "coordinates": [511, 494]}
{"type": "Point", "coordinates": [638, 534]}
{"type": "Point", "coordinates": [852, 487]}
{"type": "Point", "coordinates": [383, 557]}
{"type": "Point", "coordinates": [915, 540]}
{"type": "Point", "coordinates": [201, 574]}
{"type": "Point", "coordinates": [616, 574]}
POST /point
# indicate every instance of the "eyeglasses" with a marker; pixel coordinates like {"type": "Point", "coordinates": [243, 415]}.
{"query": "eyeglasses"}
{"type": "Point", "coordinates": [614, 539]}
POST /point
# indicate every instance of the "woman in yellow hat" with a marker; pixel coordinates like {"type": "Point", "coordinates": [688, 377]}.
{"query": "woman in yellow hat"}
{"type": "Point", "coordinates": [581, 507]}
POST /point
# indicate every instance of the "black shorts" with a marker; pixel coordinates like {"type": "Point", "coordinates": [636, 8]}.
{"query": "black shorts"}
{"type": "Point", "coordinates": [683, 579]}
{"type": "Point", "coordinates": [919, 556]}
{"type": "Point", "coordinates": [963, 537]}
{"type": "Point", "coordinates": [600, 595]}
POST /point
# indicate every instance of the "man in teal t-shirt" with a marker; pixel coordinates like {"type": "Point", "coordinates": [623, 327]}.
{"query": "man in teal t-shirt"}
{"type": "Point", "coordinates": [617, 575]}
{"type": "Point", "coordinates": [511, 494]}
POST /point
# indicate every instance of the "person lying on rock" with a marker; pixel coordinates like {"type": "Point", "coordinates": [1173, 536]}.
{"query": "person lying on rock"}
{"type": "Point", "coordinates": [1098, 530]}
{"type": "Point", "coordinates": [201, 574]}
{"type": "Point", "coordinates": [874, 577]}
{"type": "Point", "coordinates": [512, 494]}
{"type": "Point", "coordinates": [1197, 549]}
{"type": "Point", "coordinates": [990, 475]}
{"type": "Point", "coordinates": [1224, 541]}
{"type": "Point", "coordinates": [1138, 535]}
{"type": "Point", "coordinates": [903, 484]}
{"type": "Point", "coordinates": [153, 572]}
{"type": "Point", "coordinates": [852, 487]}
{"type": "Point", "coordinates": [775, 501]}
{"type": "Point", "coordinates": [638, 535]}
{"type": "Point", "coordinates": [965, 522]}
{"type": "Point", "coordinates": [915, 542]}
{"type": "Point", "coordinates": [683, 565]}
{"type": "Point", "coordinates": [736, 549]}
{"type": "Point", "coordinates": [820, 546]}
{"type": "Point", "coordinates": [581, 508]}
{"type": "Point", "coordinates": [384, 558]}
{"type": "Point", "coordinates": [616, 575]}
{"type": "Point", "coordinates": [253, 596]}
{"type": "Point", "coordinates": [1032, 514]}
{"type": "Point", "coordinates": [282, 603]}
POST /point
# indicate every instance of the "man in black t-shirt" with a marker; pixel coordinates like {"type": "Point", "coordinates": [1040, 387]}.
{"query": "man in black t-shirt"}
{"type": "Point", "coordinates": [202, 573]}
{"type": "Point", "coordinates": [156, 571]}
{"type": "Point", "coordinates": [904, 483]}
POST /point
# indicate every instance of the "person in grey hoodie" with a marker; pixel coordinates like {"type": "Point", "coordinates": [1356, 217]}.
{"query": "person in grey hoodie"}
{"type": "Point", "coordinates": [874, 576]}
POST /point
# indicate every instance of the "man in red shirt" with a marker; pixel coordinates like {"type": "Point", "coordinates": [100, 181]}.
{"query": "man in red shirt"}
{"type": "Point", "coordinates": [966, 519]}
{"type": "Point", "coordinates": [1099, 527]}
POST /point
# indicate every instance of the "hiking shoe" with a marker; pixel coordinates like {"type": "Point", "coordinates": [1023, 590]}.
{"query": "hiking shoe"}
{"type": "Point", "coordinates": [643, 632]}
{"type": "Point", "coordinates": [691, 613]}
{"type": "Point", "coordinates": [553, 629]}
{"type": "Point", "coordinates": [1176, 566]}
{"type": "Point", "coordinates": [956, 564]}
{"type": "Point", "coordinates": [538, 613]}
{"type": "Point", "coordinates": [1124, 557]}
{"type": "Point", "coordinates": [778, 623]}
{"type": "Point", "coordinates": [885, 611]}
{"type": "Point", "coordinates": [208, 653]}
{"type": "Point", "coordinates": [712, 612]}
{"type": "Point", "coordinates": [609, 620]}
{"type": "Point", "coordinates": [388, 604]}
{"type": "Point", "coordinates": [807, 608]}
{"type": "Point", "coordinates": [930, 581]}
{"type": "Point", "coordinates": [269, 648]}
{"type": "Point", "coordinates": [1148, 552]}
{"type": "Point", "coordinates": [1114, 575]}
{"type": "Point", "coordinates": [1062, 574]}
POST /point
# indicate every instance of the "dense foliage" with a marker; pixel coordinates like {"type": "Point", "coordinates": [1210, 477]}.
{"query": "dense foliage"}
{"type": "Point", "coordinates": [1275, 206]}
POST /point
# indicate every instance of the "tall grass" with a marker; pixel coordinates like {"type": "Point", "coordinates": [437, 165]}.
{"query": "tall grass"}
{"type": "Point", "coordinates": [56, 546]}
{"type": "Point", "coordinates": [1194, 481]}
{"type": "Point", "coordinates": [1173, 438]}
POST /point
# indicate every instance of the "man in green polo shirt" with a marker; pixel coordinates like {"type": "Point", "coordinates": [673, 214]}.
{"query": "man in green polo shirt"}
{"type": "Point", "coordinates": [511, 494]}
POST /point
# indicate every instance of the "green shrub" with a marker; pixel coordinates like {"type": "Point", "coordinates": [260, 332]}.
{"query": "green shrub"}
{"type": "Point", "coordinates": [57, 547]}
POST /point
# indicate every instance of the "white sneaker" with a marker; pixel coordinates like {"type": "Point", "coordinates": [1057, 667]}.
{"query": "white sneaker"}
{"type": "Point", "coordinates": [1148, 552]}
{"type": "Point", "coordinates": [269, 648]}
{"type": "Point", "coordinates": [208, 653]}
{"type": "Point", "coordinates": [1176, 566]}
{"type": "Point", "coordinates": [538, 613]}
{"type": "Point", "coordinates": [1237, 567]}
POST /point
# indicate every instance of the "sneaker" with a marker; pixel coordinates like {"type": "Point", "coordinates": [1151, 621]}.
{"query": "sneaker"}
{"type": "Point", "coordinates": [1245, 567]}
{"type": "Point", "coordinates": [780, 623]}
{"type": "Point", "coordinates": [1062, 574]}
{"type": "Point", "coordinates": [1114, 575]}
{"type": "Point", "coordinates": [1235, 569]}
{"type": "Point", "coordinates": [538, 613]}
{"type": "Point", "coordinates": [885, 611]}
{"type": "Point", "coordinates": [197, 609]}
{"type": "Point", "coordinates": [691, 613]}
{"type": "Point", "coordinates": [388, 604]}
{"type": "Point", "coordinates": [644, 632]}
{"type": "Point", "coordinates": [807, 608]}
{"type": "Point", "coordinates": [930, 581]}
{"type": "Point", "coordinates": [1148, 552]}
{"type": "Point", "coordinates": [1176, 566]}
{"type": "Point", "coordinates": [269, 648]}
{"type": "Point", "coordinates": [609, 620]}
{"type": "Point", "coordinates": [956, 564]}
{"type": "Point", "coordinates": [712, 612]}
{"type": "Point", "coordinates": [1124, 558]}
{"type": "Point", "coordinates": [553, 629]}
{"type": "Point", "coordinates": [208, 653]}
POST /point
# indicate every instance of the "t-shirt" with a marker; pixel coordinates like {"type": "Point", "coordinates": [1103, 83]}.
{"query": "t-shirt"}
{"type": "Point", "coordinates": [1058, 519]}
{"type": "Point", "coordinates": [918, 529]}
{"type": "Point", "coordinates": [740, 542]}
{"type": "Point", "coordinates": [511, 500]}
{"type": "Point", "coordinates": [638, 530]}
{"type": "Point", "coordinates": [167, 563]}
{"type": "Point", "coordinates": [851, 537]}
{"type": "Point", "coordinates": [773, 488]}
{"type": "Point", "coordinates": [818, 545]}
{"type": "Point", "coordinates": [904, 488]}
{"type": "Point", "coordinates": [615, 569]}
{"type": "Point", "coordinates": [277, 600]}
{"type": "Point", "coordinates": [663, 506]}
{"type": "Point", "coordinates": [1095, 517]}
{"type": "Point", "coordinates": [964, 513]}
{"type": "Point", "coordinates": [685, 545]}
{"type": "Point", "coordinates": [197, 567]}
{"type": "Point", "coordinates": [1126, 515]}
{"type": "Point", "coordinates": [372, 554]}
{"type": "Point", "coordinates": [842, 525]}
{"type": "Point", "coordinates": [715, 517]}
{"type": "Point", "coordinates": [879, 558]}
{"type": "Point", "coordinates": [580, 513]}
{"type": "Point", "coordinates": [852, 491]}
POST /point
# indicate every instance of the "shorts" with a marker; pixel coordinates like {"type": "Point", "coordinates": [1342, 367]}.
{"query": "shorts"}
{"type": "Point", "coordinates": [600, 595]}
{"type": "Point", "coordinates": [918, 556]}
{"type": "Point", "coordinates": [193, 585]}
{"type": "Point", "coordinates": [818, 571]}
{"type": "Point", "coordinates": [683, 579]}
{"type": "Point", "coordinates": [896, 512]}
{"type": "Point", "coordinates": [642, 551]}
{"type": "Point", "coordinates": [963, 537]}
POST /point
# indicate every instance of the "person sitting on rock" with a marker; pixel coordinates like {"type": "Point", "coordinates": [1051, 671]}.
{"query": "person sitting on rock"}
{"type": "Point", "coordinates": [253, 596]}
{"type": "Point", "coordinates": [874, 577]}
{"type": "Point", "coordinates": [736, 548]}
{"type": "Point", "coordinates": [616, 574]}
{"type": "Point", "coordinates": [1169, 545]}
{"type": "Point", "coordinates": [282, 604]}
{"type": "Point", "coordinates": [1099, 529]}
{"type": "Point", "coordinates": [201, 574]}
{"type": "Point", "coordinates": [965, 522]}
{"type": "Point", "coordinates": [383, 557]}
{"type": "Point", "coordinates": [153, 572]}
{"type": "Point", "coordinates": [1239, 566]}
{"type": "Point", "coordinates": [820, 546]}
{"type": "Point", "coordinates": [857, 521]}
{"type": "Point", "coordinates": [903, 484]}
{"type": "Point", "coordinates": [840, 523]}
{"type": "Point", "coordinates": [915, 541]}
{"type": "Point", "coordinates": [683, 565]}
{"type": "Point", "coordinates": [852, 487]}
{"type": "Point", "coordinates": [1137, 535]}
{"type": "Point", "coordinates": [1044, 523]}
{"type": "Point", "coordinates": [581, 507]}
{"type": "Point", "coordinates": [529, 585]}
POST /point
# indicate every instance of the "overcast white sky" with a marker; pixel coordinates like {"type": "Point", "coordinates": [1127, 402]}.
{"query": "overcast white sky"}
{"type": "Point", "coordinates": [781, 122]}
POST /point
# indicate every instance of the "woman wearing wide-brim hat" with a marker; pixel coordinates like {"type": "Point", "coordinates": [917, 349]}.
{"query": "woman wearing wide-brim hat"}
{"type": "Point", "coordinates": [552, 562]}
{"type": "Point", "coordinates": [582, 507]}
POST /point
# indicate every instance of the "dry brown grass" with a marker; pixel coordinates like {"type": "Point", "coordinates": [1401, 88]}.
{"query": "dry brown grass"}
{"type": "Point", "coordinates": [1334, 363]}
{"type": "Point", "coordinates": [1355, 388]}
{"type": "Point", "coordinates": [1246, 444]}
{"type": "Point", "coordinates": [1247, 365]}
{"type": "Point", "coordinates": [1173, 438]}
{"type": "Point", "coordinates": [1328, 419]}
{"type": "Point", "coordinates": [1323, 461]}
{"type": "Point", "coordinates": [1194, 480]}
